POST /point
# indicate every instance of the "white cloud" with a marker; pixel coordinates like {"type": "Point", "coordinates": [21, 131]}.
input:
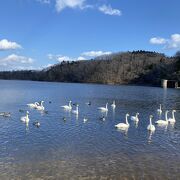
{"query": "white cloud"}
{"type": "Point", "coordinates": [96, 53]}
{"type": "Point", "coordinates": [172, 43]}
{"type": "Point", "coordinates": [44, 1]}
{"type": "Point", "coordinates": [62, 4]}
{"type": "Point", "coordinates": [80, 58]}
{"type": "Point", "coordinates": [157, 40]}
{"type": "Point", "coordinates": [14, 62]}
{"type": "Point", "coordinates": [8, 45]}
{"type": "Point", "coordinates": [16, 58]}
{"type": "Point", "coordinates": [107, 9]}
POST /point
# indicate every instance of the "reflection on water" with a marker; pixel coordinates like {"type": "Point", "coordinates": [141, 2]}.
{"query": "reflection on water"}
{"type": "Point", "coordinates": [65, 147]}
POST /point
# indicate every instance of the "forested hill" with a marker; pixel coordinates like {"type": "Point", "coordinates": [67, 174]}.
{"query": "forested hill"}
{"type": "Point", "coordinates": [137, 67]}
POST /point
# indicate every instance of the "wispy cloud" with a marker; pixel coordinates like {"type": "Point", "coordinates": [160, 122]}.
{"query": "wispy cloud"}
{"type": "Point", "coordinates": [107, 9]}
{"type": "Point", "coordinates": [44, 1]}
{"type": "Point", "coordinates": [157, 40]}
{"type": "Point", "coordinates": [61, 58]}
{"type": "Point", "coordinates": [62, 4]}
{"type": "Point", "coordinates": [170, 43]}
{"type": "Point", "coordinates": [83, 56]}
{"type": "Point", "coordinates": [14, 62]}
{"type": "Point", "coordinates": [8, 45]}
{"type": "Point", "coordinates": [96, 53]}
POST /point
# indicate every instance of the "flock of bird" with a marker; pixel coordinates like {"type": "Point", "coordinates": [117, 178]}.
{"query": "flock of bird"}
{"type": "Point", "coordinates": [123, 126]}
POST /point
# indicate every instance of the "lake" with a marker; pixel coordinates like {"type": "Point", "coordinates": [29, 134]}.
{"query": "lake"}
{"type": "Point", "coordinates": [95, 149]}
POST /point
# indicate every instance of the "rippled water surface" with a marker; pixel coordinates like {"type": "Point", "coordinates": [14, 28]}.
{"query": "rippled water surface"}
{"type": "Point", "coordinates": [73, 149]}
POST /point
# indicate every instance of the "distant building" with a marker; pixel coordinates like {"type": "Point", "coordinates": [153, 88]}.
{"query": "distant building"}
{"type": "Point", "coordinates": [170, 83]}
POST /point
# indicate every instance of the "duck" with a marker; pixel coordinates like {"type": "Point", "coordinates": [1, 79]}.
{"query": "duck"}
{"type": "Point", "coordinates": [5, 114]}
{"type": "Point", "coordinates": [113, 105]}
{"type": "Point", "coordinates": [64, 118]}
{"type": "Point", "coordinates": [172, 120]}
{"type": "Point", "coordinates": [40, 106]}
{"type": "Point", "coordinates": [68, 107]}
{"type": "Point", "coordinates": [102, 118]}
{"type": "Point", "coordinates": [25, 118]}
{"type": "Point", "coordinates": [88, 103]}
{"type": "Point", "coordinates": [104, 109]}
{"type": "Point", "coordinates": [123, 125]}
{"type": "Point", "coordinates": [160, 109]}
{"type": "Point", "coordinates": [21, 110]}
{"type": "Point", "coordinates": [76, 111]}
{"type": "Point", "coordinates": [33, 105]}
{"type": "Point", "coordinates": [36, 123]}
{"type": "Point", "coordinates": [151, 127]}
{"type": "Point", "coordinates": [135, 118]}
{"type": "Point", "coordinates": [163, 122]}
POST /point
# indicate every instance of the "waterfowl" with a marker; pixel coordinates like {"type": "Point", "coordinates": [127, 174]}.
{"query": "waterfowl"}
{"type": "Point", "coordinates": [25, 118]}
{"type": "Point", "coordinates": [33, 105]}
{"type": "Point", "coordinates": [36, 123]}
{"type": "Point", "coordinates": [68, 107]}
{"type": "Point", "coordinates": [5, 114]}
{"type": "Point", "coordinates": [160, 109]}
{"type": "Point", "coordinates": [40, 107]}
{"type": "Point", "coordinates": [123, 125]}
{"type": "Point", "coordinates": [113, 105]}
{"type": "Point", "coordinates": [64, 118]}
{"type": "Point", "coordinates": [135, 118]}
{"type": "Point", "coordinates": [88, 103]}
{"type": "Point", "coordinates": [163, 122]}
{"type": "Point", "coordinates": [103, 109]}
{"type": "Point", "coordinates": [85, 120]}
{"type": "Point", "coordinates": [21, 110]}
{"type": "Point", "coordinates": [172, 120]}
{"type": "Point", "coordinates": [76, 111]}
{"type": "Point", "coordinates": [102, 118]}
{"type": "Point", "coordinates": [151, 127]}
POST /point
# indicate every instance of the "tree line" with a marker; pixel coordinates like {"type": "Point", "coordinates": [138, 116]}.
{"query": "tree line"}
{"type": "Point", "coordinates": [136, 67]}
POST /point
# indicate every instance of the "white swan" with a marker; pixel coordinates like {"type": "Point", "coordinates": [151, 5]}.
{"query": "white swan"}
{"type": "Point", "coordinates": [163, 122]}
{"type": "Point", "coordinates": [172, 120]}
{"type": "Point", "coordinates": [40, 107]}
{"type": "Point", "coordinates": [103, 109]}
{"type": "Point", "coordinates": [113, 105]}
{"type": "Point", "coordinates": [76, 111]}
{"type": "Point", "coordinates": [123, 126]}
{"type": "Point", "coordinates": [160, 109]}
{"type": "Point", "coordinates": [33, 105]}
{"type": "Point", "coordinates": [25, 118]}
{"type": "Point", "coordinates": [135, 118]}
{"type": "Point", "coordinates": [151, 127]}
{"type": "Point", "coordinates": [67, 107]}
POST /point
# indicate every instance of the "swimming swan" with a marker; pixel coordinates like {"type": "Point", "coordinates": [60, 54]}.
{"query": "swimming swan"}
{"type": "Point", "coordinates": [123, 125]}
{"type": "Point", "coordinates": [103, 109]}
{"type": "Point", "coordinates": [33, 105]}
{"type": "Point", "coordinates": [151, 127]}
{"type": "Point", "coordinates": [67, 107]}
{"type": "Point", "coordinates": [135, 118]}
{"type": "Point", "coordinates": [172, 120]}
{"type": "Point", "coordinates": [113, 105]}
{"type": "Point", "coordinates": [25, 118]}
{"type": "Point", "coordinates": [159, 110]}
{"type": "Point", "coordinates": [163, 122]}
{"type": "Point", "coordinates": [77, 110]}
{"type": "Point", "coordinates": [40, 107]}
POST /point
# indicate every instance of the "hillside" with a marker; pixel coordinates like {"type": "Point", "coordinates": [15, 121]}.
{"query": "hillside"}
{"type": "Point", "coordinates": [137, 67]}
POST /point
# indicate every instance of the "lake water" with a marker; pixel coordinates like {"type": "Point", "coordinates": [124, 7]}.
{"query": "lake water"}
{"type": "Point", "coordinates": [73, 149]}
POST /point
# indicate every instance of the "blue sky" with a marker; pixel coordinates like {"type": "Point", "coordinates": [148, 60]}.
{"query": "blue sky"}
{"type": "Point", "coordinates": [39, 33]}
